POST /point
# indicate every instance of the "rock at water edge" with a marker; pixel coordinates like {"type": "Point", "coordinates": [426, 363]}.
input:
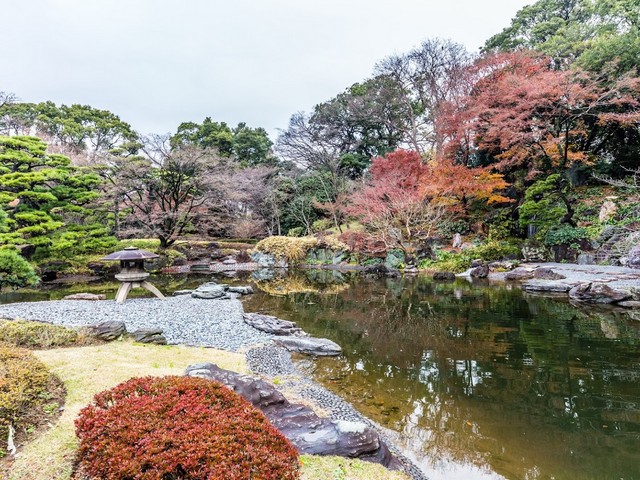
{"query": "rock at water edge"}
{"type": "Point", "coordinates": [271, 325]}
{"type": "Point", "coordinates": [308, 432]}
{"type": "Point", "coordinates": [210, 291]}
{"type": "Point", "coordinates": [86, 296]}
{"type": "Point", "coordinates": [597, 293]}
{"type": "Point", "coordinates": [311, 346]}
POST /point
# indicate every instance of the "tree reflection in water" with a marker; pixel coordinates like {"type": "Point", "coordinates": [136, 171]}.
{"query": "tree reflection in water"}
{"type": "Point", "coordinates": [479, 381]}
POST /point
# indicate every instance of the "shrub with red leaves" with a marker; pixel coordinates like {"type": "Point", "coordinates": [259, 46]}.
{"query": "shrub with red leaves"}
{"type": "Point", "coordinates": [172, 428]}
{"type": "Point", "coordinates": [364, 243]}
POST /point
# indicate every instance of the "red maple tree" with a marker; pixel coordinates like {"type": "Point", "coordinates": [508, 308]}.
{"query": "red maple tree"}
{"type": "Point", "coordinates": [407, 199]}
{"type": "Point", "coordinates": [522, 112]}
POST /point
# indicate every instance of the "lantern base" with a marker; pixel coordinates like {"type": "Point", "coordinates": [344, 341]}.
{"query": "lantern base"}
{"type": "Point", "coordinates": [126, 287]}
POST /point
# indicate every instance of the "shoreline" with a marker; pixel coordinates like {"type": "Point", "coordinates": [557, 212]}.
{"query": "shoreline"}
{"type": "Point", "coordinates": [263, 357]}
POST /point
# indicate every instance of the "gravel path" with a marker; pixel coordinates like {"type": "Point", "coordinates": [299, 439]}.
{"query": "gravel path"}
{"type": "Point", "coordinates": [184, 320]}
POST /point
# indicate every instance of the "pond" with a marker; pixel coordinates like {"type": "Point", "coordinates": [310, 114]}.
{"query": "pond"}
{"type": "Point", "coordinates": [474, 381]}
{"type": "Point", "coordinates": [478, 381]}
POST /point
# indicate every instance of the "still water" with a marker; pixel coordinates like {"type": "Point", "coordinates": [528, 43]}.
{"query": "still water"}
{"type": "Point", "coordinates": [478, 381]}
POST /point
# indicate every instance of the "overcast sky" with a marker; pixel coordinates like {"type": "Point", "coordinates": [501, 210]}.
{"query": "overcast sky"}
{"type": "Point", "coordinates": [157, 63]}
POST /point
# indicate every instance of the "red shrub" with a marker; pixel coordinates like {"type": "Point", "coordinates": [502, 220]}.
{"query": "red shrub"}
{"type": "Point", "coordinates": [172, 428]}
{"type": "Point", "coordinates": [364, 243]}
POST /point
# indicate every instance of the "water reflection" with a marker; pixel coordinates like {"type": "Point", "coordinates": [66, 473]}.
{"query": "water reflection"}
{"type": "Point", "coordinates": [480, 382]}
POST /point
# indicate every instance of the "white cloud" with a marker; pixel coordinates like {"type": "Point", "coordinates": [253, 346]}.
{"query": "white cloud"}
{"type": "Point", "coordinates": [157, 63]}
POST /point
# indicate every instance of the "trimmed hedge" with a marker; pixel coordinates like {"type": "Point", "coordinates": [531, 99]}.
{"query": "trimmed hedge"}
{"type": "Point", "coordinates": [25, 392]}
{"type": "Point", "coordinates": [24, 333]}
{"type": "Point", "coordinates": [180, 428]}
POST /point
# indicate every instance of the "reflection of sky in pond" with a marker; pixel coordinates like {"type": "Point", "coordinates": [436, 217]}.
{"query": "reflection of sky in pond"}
{"type": "Point", "coordinates": [478, 382]}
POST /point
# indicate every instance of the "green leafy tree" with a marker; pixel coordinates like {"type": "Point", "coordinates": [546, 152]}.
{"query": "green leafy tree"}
{"type": "Point", "coordinates": [249, 146]}
{"type": "Point", "coordinates": [591, 33]}
{"type": "Point", "coordinates": [47, 200]}
{"type": "Point", "coordinates": [252, 146]}
{"type": "Point", "coordinates": [77, 130]}
{"type": "Point", "coordinates": [209, 134]}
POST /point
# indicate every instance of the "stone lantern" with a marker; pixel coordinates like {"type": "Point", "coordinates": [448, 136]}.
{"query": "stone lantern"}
{"type": "Point", "coordinates": [132, 274]}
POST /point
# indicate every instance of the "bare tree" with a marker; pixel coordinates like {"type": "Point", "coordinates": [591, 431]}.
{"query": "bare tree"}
{"type": "Point", "coordinates": [309, 146]}
{"type": "Point", "coordinates": [632, 182]}
{"type": "Point", "coordinates": [426, 77]}
{"type": "Point", "coordinates": [182, 194]}
{"type": "Point", "coordinates": [7, 98]}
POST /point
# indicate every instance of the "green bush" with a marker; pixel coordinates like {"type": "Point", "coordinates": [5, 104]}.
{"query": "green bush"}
{"type": "Point", "coordinates": [459, 262]}
{"type": "Point", "coordinates": [494, 250]}
{"type": "Point", "coordinates": [23, 333]}
{"type": "Point", "coordinates": [321, 225]}
{"type": "Point", "coordinates": [564, 235]}
{"type": "Point", "coordinates": [448, 262]}
{"type": "Point", "coordinates": [295, 232]}
{"type": "Point", "coordinates": [150, 244]}
{"type": "Point", "coordinates": [15, 271]}
{"type": "Point", "coordinates": [451, 227]}
{"type": "Point", "coordinates": [25, 391]}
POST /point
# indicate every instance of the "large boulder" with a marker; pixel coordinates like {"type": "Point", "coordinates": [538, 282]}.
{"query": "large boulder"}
{"type": "Point", "coordinates": [210, 291]}
{"type": "Point", "coordinates": [308, 432]}
{"type": "Point", "coordinates": [265, 260]}
{"type": "Point", "coordinates": [502, 266]}
{"type": "Point", "coordinates": [272, 325]}
{"type": "Point", "coordinates": [545, 273]}
{"type": "Point", "coordinates": [533, 252]}
{"type": "Point", "coordinates": [322, 347]}
{"type": "Point", "coordinates": [109, 330]}
{"type": "Point", "coordinates": [149, 335]}
{"type": "Point", "coordinates": [444, 276]}
{"type": "Point", "coordinates": [519, 274]}
{"type": "Point", "coordinates": [394, 259]}
{"type": "Point", "coordinates": [481, 271]}
{"type": "Point", "coordinates": [260, 393]}
{"type": "Point", "coordinates": [608, 210]}
{"type": "Point", "coordinates": [586, 259]}
{"type": "Point", "coordinates": [597, 293]}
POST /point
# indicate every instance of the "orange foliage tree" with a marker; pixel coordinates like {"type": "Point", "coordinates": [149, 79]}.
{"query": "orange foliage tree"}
{"type": "Point", "coordinates": [522, 112]}
{"type": "Point", "coordinates": [406, 199]}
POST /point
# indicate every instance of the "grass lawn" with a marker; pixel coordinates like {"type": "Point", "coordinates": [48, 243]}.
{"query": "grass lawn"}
{"type": "Point", "coordinates": [88, 370]}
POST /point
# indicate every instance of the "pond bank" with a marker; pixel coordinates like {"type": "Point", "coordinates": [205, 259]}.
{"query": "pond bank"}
{"type": "Point", "coordinates": [622, 284]}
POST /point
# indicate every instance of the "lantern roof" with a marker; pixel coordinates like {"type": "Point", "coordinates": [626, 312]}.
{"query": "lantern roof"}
{"type": "Point", "coordinates": [130, 253]}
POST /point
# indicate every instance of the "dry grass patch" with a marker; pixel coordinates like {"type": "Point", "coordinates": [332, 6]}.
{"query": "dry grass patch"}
{"type": "Point", "coordinates": [86, 371]}
{"type": "Point", "coordinates": [338, 468]}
